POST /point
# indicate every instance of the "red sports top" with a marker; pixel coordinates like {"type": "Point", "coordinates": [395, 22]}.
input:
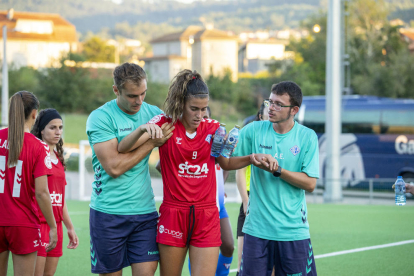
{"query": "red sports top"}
{"type": "Point", "coordinates": [56, 183]}
{"type": "Point", "coordinates": [18, 205]}
{"type": "Point", "coordinates": [187, 168]}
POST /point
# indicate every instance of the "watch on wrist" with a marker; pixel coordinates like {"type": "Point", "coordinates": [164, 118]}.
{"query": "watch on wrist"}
{"type": "Point", "coordinates": [278, 172]}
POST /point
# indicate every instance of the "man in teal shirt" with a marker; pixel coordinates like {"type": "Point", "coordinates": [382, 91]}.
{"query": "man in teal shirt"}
{"type": "Point", "coordinates": [276, 227]}
{"type": "Point", "coordinates": [123, 217]}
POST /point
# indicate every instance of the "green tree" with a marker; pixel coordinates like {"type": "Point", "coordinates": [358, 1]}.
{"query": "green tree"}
{"type": "Point", "coordinates": [95, 49]}
{"type": "Point", "coordinates": [23, 78]}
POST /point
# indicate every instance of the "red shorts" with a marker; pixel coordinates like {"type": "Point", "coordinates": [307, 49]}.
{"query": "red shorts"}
{"type": "Point", "coordinates": [176, 222]}
{"type": "Point", "coordinates": [19, 240]}
{"type": "Point", "coordinates": [57, 251]}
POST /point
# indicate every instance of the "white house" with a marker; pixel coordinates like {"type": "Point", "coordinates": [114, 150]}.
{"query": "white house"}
{"type": "Point", "coordinates": [171, 54]}
{"type": "Point", "coordinates": [36, 39]}
{"type": "Point", "coordinates": [254, 55]}
{"type": "Point", "coordinates": [213, 52]}
{"type": "Point", "coordinates": [195, 48]}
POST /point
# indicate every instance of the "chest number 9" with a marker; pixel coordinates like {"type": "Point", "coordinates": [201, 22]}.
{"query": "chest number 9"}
{"type": "Point", "coordinates": [194, 155]}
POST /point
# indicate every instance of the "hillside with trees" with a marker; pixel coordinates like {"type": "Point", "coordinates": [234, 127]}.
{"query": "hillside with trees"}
{"type": "Point", "coordinates": [233, 15]}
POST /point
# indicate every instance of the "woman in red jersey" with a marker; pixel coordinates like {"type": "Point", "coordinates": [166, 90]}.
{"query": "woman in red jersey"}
{"type": "Point", "coordinates": [24, 167]}
{"type": "Point", "coordinates": [48, 127]}
{"type": "Point", "coordinates": [189, 216]}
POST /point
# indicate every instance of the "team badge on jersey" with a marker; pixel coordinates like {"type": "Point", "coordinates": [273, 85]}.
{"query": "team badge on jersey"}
{"type": "Point", "coordinates": [208, 138]}
{"type": "Point", "coordinates": [295, 150]}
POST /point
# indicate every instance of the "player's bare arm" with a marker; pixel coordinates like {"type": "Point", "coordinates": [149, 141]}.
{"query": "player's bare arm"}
{"type": "Point", "coordinates": [298, 179]}
{"type": "Point", "coordinates": [142, 134]}
{"type": "Point", "coordinates": [73, 238]}
{"type": "Point", "coordinates": [233, 163]}
{"type": "Point", "coordinates": [264, 161]}
{"type": "Point", "coordinates": [241, 186]}
{"type": "Point", "coordinates": [43, 199]}
{"type": "Point", "coordinates": [116, 163]}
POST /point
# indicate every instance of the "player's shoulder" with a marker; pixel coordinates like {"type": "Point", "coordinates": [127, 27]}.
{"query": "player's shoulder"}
{"type": "Point", "coordinates": [160, 118]}
{"type": "Point", "coordinates": [210, 123]}
{"type": "Point", "coordinates": [102, 111]}
{"type": "Point", "coordinates": [256, 126]}
{"type": "Point", "coordinates": [150, 107]}
{"type": "Point", "coordinates": [4, 133]}
{"type": "Point", "coordinates": [305, 131]}
{"type": "Point", "coordinates": [34, 141]}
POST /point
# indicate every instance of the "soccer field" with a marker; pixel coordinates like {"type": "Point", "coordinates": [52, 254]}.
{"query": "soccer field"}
{"type": "Point", "coordinates": [333, 228]}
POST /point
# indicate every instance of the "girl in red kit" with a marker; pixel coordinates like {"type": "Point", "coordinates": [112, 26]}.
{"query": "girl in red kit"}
{"type": "Point", "coordinates": [48, 127]}
{"type": "Point", "coordinates": [24, 167]}
{"type": "Point", "coordinates": [189, 216]}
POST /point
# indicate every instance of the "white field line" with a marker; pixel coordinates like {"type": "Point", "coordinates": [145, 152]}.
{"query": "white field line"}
{"type": "Point", "coordinates": [363, 249]}
{"type": "Point", "coordinates": [355, 250]}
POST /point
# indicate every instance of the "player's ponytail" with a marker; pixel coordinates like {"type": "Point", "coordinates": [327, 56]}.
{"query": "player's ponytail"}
{"type": "Point", "coordinates": [21, 106]}
{"type": "Point", "coordinates": [185, 84]}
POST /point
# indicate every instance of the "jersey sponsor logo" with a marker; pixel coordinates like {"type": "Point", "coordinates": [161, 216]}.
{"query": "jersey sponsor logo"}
{"type": "Point", "coordinates": [208, 138]}
{"type": "Point", "coordinates": [192, 171]}
{"type": "Point", "coordinates": [48, 162]}
{"type": "Point", "coordinates": [266, 147]}
{"type": "Point", "coordinates": [179, 140]}
{"type": "Point", "coordinates": [57, 199]}
{"type": "Point", "coordinates": [156, 119]}
{"type": "Point", "coordinates": [295, 150]}
{"type": "Point", "coordinates": [174, 234]}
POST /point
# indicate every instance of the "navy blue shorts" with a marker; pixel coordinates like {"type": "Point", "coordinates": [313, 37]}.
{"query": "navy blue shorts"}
{"type": "Point", "coordinates": [117, 241]}
{"type": "Point", "coordinates": [289, 258]}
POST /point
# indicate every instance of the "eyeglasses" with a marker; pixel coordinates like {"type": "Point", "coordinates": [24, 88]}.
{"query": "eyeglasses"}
{"type": "Point", "coordinates": [276, 105]}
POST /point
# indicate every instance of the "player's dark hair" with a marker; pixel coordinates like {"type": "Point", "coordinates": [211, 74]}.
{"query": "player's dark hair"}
{"type": "Point", "coordinates": [128, 72]}
{"type": "Point", "coordinates": [259, 115]}
{"type": "Point", "coordinates": [37, 131]}
{"type": "Point", "coordinates": [209, 111]}
{"type": "Point", "coordinates": [290, 88]}
{"type": "Point", "coordinates": [21, 106]}
{"type": "Point", "coordinates": [185, 84]}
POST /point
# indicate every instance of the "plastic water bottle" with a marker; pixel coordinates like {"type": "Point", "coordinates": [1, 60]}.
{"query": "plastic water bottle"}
{"type": "Point", "coordinates": [230, 142]}
{"type": "Point", "coordinates": [218, 140]}
{"type": "Point", "coordinates": [400, 191]}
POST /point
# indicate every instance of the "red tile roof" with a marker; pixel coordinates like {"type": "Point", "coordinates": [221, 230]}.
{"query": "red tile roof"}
{"type": "Point", "coordinates": [63, 31]}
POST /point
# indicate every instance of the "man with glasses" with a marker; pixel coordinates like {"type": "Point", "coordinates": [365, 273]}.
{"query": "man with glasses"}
{"type": "Point", "coordinates": [276, 227]}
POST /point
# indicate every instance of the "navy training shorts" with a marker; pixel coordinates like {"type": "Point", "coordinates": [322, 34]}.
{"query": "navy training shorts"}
{"type": "Point", "coordinates": [117, 241]}
{"type": "Point", "coordinates": [289, 258]}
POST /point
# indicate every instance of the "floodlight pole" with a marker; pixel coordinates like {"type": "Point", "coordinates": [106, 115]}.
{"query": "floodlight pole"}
{"type": "Point", "coordinates": [333, 127]}
{"type": "Point", "coordinates": [5, 83]}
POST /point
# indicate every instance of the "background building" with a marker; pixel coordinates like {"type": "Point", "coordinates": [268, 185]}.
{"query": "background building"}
{"type": "Point", "coordinates": [255, 55]}
{"type": "Point", "coordinates": [36, 39]}
{"type": "Point", "coordinates": [205, 50]}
